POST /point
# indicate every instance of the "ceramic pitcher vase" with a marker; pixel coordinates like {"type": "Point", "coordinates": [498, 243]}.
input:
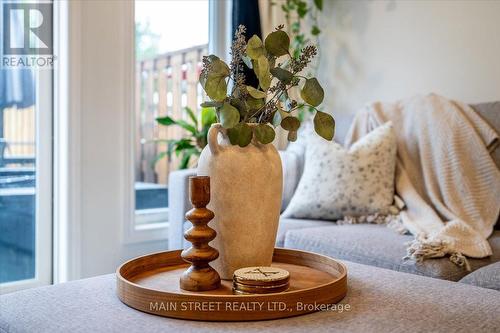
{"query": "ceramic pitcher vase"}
{"type": "Point", "coordinates": [246, 188]}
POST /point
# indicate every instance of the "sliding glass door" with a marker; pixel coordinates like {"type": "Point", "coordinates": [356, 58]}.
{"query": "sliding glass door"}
{"type": "Point", "coordinates": [25, 145]}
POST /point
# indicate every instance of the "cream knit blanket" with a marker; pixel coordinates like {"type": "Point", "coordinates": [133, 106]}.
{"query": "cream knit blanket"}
{"type": "Point", "coordinates": [444, 174]}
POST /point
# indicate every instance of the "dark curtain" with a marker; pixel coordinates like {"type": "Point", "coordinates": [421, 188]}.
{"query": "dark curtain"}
{"type": "Point", "coordinates": [246, 12]}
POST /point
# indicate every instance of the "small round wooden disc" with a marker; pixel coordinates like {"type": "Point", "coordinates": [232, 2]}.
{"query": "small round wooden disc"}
{"type": "Point", "coordinates": [261, 276]}
{"type": "Point", "coordinates": [239, 288]}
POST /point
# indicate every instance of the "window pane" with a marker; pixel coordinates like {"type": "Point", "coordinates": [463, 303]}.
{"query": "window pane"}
{"type": "Point", "coordinates": [25, 126]}
{"type": "Point", "coordinates": [171, 38]}
{"type": "Point", "coordinates": [17, 176]}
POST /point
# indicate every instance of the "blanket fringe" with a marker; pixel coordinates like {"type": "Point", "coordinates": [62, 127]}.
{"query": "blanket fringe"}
{"type": "Point", "coordinates": [420, 249]}
{"type": "Point", "coordinates": [460, 260]}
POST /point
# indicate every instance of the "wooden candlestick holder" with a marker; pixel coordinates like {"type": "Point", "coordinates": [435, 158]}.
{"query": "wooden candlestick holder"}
{"type": "Point", "coordinates": [200, 275]}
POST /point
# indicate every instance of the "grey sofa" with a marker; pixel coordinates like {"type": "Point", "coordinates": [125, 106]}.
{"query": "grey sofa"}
{"type": "Point", "coordinates": [369, 244]}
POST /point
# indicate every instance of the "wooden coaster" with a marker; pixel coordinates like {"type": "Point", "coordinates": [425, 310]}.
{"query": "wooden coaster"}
{"type": "Point", "coordinates": [245, 289]}
{"type": "Point", "coordinates": [260, 280]}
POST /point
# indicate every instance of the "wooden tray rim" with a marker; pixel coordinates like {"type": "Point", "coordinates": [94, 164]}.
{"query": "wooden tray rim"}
{"type": "Point", "coordinates": [343, 275]}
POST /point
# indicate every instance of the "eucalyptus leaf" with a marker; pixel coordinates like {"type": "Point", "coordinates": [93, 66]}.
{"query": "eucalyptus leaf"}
{"type": "Point", "coordinates": [290, 123]}
{"type": "Point", "coordinates": [279, 116]}
{"type": "Point", "coordinates": [292, 136]}
{"type": "Point", "coordinates": [282, 74]}
{"type": "Point", "coordinates": [277, 43]}
{"type": "Point", "coordinates": [216, 87]}
{"type": "Point", "coordinates": [211, 104]}
{"type": "Point", "coordinates": [229, 115]}
{"type": "Point", "coordinates": [255, 48]}
{"type": "Point", "coordinates": [214, 83]}
{"type": "Point", "coordinates": [324, 125]}
{"type": "Point", "coordinates": [240, 135]}
{"type": "Point", "coordinates": [312, 92]}
{"type": "Point", "coordinates": [255, 103]}
{"type": "Point", "coordinates": [261, 69]}
{"type": "Point", "coordinates": [264, 133]}
{"type": "Point", "coordinates": [240, 105]}
{"type": "Point", "coordinates": [255, 93]}
{"type": "Point", "coordinates": [208, 116]}
{"type": "Point", "coordinates": [247, 61]}
{"type": "Point", "coordinates": [218, 66]}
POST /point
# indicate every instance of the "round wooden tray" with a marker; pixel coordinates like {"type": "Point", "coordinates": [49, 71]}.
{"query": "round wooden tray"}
{"type": "Point", "coordinates": [151, 284]}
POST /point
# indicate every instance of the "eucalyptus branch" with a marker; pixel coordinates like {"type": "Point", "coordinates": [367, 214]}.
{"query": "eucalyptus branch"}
{"type": "Point", "coordinates": [264, 101]}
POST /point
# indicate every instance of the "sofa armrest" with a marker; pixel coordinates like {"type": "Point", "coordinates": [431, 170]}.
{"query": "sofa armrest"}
{"type": "Point", "coordinates": [292, 172]}
{"type": "Point", "coordinates": [486, 277]}
{"type": "Point", "coordinates": [178, 199]}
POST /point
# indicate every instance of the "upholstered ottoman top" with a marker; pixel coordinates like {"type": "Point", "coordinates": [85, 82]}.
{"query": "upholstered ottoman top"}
{"type": "Point", "coordinates": [378, 300]}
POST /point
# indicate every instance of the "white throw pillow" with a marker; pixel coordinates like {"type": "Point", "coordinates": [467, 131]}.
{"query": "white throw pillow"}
{"type": "Point", "coordinates": [337, 182]}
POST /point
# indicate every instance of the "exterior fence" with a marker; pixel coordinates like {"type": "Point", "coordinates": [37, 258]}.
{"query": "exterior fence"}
{"type": "Point", "coordinates": [17, 138]}
{"type": "Point", "coordinates": [164, 86]}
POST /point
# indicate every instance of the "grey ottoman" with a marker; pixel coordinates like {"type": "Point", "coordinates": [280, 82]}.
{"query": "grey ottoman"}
{"type": "Point", "coordinates": [378, 300]}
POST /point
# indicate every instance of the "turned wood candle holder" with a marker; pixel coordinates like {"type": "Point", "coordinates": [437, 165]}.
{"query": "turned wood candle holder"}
{"type": "Point", "coordinates": [200, 275]}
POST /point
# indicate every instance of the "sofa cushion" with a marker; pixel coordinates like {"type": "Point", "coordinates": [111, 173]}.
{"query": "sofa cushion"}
{"type": "Point", "coordinates": [377, 245]}
{"type": "Point", "coordinates": [341, 182]}
{"type": "Point", "coordinates": [486, 277]}
{"type": "Point", "coordinates": [292, 224]}
{"type": "Point", "coordinates": [291, 176]}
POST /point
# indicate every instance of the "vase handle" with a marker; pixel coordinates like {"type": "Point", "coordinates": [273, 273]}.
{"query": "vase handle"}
{"type": "Point", "coordinates": [213, 142]}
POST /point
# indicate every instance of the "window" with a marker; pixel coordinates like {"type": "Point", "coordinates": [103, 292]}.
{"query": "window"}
{"type": "Point", "coordinates": [25, 147]}
{"type": "Point", "coordinates": [171, 37]}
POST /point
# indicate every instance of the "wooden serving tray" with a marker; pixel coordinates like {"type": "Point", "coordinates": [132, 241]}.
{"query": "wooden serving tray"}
{"type": "Point", "coordinates": [151, 284]}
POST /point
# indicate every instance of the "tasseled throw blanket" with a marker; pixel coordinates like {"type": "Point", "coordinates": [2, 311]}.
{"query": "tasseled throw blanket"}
{"type": "Point", "coordinates": [445, 175]}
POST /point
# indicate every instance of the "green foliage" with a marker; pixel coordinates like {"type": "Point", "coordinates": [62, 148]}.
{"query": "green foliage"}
{"type": "Point", "coordinates": [264, 133]}
{"type": "Point", "coordinates": [255, 48]}
{"type": "Point", "coordinates": [214, 83]}
{"type": "Point", "coordinates": [282, 74]}
{"type": "Point", "coordinates": [240, 134]}
{"type": "Point", "coordinates": [296, 11]}
{"type": "Point", "coordinates": [261, 69]}
{"type": "Point", "coordinates": [324, 125]}
{"type": "Point", "coordinates": [255, 93]}
{"type": "Point", "coordinates": [277, 43]}
{"type": "Point", "coordinates": [312, 92]}
{"type": "Point", "coordinates": [229, 115]}
{"type": "Point", "coordinates": [290, 123]}
{"type": "Point", "coordinates": [269, 105]}
{"type": "Point", "coordinates": [191, 145]}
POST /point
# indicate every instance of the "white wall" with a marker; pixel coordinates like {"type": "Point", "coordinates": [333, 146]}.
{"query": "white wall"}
{"type": "Point", "coordinates": [386, 50]}
{"type": "Point", "coordinates": [104, 61]}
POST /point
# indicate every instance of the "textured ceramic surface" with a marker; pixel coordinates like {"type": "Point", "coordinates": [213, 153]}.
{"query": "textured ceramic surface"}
{"type": "Point", "coordinates": [246, 186]}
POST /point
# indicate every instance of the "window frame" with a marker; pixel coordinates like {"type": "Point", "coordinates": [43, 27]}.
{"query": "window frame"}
{"type": "Point", "coordinates": [153, 225]}
{"type": "Point", "coordinates": [43, 189]}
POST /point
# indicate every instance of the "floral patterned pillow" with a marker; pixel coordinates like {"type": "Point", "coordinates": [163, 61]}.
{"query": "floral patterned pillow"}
{"type": "Point", "coordinates": [337, 182]}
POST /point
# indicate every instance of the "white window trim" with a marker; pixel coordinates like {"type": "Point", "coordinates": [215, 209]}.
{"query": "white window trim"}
{"type": "Point", "coordinates": [136, 228]}
{"type": "Point", "coordinates": [134, 232]}
{"type": "Point", "coordinates": [67, 134]}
